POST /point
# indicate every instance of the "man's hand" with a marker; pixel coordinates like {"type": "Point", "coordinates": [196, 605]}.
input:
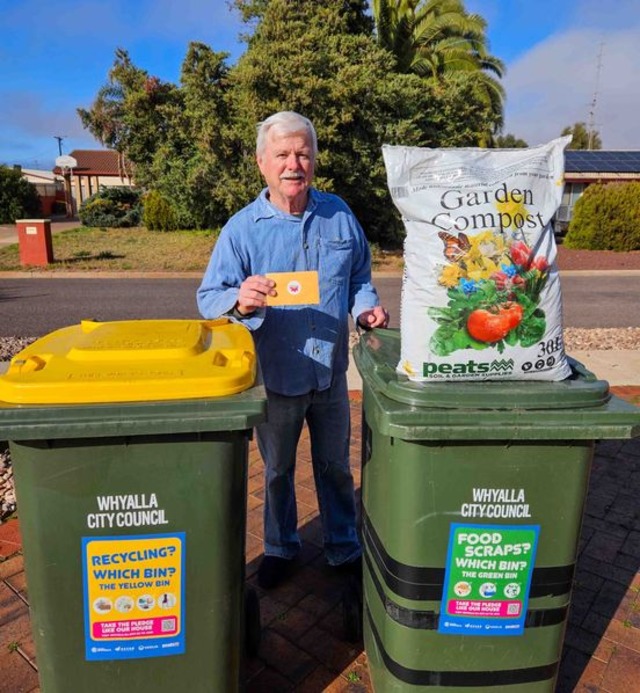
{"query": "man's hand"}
{"type": "Point", "coordinates": [253, 293]}
{"type": "Point", "coordinates": [376, 317]}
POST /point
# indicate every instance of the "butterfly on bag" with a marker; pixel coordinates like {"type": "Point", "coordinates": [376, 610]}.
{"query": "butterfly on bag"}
{"type": "Point", "coordinates": [455, 247]}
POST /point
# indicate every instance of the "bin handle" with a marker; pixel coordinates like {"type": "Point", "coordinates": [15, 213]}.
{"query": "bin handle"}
{"type": "Point", "coordinates": [29, 365]}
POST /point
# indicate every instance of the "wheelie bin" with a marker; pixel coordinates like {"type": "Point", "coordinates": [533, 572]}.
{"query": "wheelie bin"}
{"type": "Point", "coordinates": [472, 502]}
{"type": "Point", "coordinates": [129, 445]}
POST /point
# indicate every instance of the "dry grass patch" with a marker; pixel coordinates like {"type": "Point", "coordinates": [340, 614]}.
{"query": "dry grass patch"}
{"type": "Point", "coordinates": [139, 250]}
{"type": "Point", "coordinates": [113, 250]}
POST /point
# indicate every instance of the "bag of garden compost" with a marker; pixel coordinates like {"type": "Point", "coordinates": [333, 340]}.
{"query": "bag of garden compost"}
{"type": "Point", "coordinates": [481, 292]}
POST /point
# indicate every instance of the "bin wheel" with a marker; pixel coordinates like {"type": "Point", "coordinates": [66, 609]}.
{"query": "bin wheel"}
{"type": "Point", "coordinates": [352, 610]}
{"type": "Point", "coordinates": [253, 629]}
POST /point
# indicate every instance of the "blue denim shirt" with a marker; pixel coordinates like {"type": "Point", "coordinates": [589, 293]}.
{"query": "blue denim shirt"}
{"type": "Point", "coordinates": [300, 348]}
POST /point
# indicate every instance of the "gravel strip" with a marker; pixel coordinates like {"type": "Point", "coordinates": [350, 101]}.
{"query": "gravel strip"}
{"type": "Point", "coordinates": [602, 339]}
{"type": "Point", "coordinates": [7, 491]}
{"type": "Point", "coordinates": [10, 346]}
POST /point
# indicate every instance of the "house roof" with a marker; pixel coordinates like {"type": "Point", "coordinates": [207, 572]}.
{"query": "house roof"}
{"type": "Point", "coordinates": [34, 175]}
{"type": "Point", "coordinates": [96, 162]}
{"type": "Point", "coordinates": [601, 161]}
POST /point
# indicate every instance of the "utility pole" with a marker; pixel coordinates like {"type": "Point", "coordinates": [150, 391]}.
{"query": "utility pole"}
{"type": "Point", "coordinates": [594, 101]}
{"type": "Point", "coordinates": [57, 137]}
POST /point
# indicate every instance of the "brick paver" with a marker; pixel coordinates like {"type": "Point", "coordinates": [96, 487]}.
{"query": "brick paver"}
{"type": "Point", "coordinates": [303, 648]}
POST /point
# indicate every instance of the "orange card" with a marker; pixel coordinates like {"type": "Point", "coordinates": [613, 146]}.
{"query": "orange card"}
{"type": "Point", "coordinates": [294, 288]}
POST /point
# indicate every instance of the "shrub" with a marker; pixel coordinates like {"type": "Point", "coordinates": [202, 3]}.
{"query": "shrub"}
{"type": "Point", "coordinates": [606, 217]}
{"type": "Point", "coordinates": [18, 197]}
{"type": "Point", "coordinates": [116, 207]}
{"type": "Point", "coordinates": [159, 213]}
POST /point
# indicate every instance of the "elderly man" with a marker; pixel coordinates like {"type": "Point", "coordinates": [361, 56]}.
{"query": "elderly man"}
{"type": "Point", "coordinates": [303, 350]}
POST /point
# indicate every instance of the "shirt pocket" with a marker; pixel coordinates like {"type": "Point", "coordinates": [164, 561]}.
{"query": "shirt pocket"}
{"type": "Point", "coordinates": [336, 256]}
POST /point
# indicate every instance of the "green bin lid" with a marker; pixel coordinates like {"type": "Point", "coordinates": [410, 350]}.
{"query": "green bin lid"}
{"type": "Point", "coordinates": [579, 407]}
{"type": "Point", "coordinates": [378, 353]}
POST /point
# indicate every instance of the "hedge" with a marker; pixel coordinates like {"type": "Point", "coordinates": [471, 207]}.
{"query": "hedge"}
{"type": "Point", "coordinates": [112, 207]}
{"type": "Point", "coordinates": [606, 217]}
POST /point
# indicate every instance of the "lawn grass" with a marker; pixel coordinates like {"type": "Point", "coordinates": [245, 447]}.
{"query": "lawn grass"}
{"type": "Point", "coordinates": [116, 250]}
{"type": "Point", "coordinates": [138, 250]}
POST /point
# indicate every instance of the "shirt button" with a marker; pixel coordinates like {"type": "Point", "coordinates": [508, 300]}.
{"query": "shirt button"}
{"type": "Point", "coordinates": [316, 350]}
{"type": "Point", "coordinates": [306, 246]}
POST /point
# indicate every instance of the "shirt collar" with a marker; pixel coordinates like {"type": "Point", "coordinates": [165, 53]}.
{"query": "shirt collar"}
{"type": "Point", "coordinates": [263, 209]}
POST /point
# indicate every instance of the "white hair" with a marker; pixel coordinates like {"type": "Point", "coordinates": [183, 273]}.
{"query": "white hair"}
{"type": "Point", "coordinates": [285, 123]}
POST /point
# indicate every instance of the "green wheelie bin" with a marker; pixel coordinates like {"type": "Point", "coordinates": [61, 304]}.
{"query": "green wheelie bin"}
{"type": "Point", "coordinates": [472, 503]}
{"type": "Point", "coordinates": [129, 443]}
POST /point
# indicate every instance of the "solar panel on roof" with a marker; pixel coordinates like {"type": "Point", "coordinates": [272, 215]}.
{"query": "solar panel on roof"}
{"type": "Point", "coordinates": [599, 161]}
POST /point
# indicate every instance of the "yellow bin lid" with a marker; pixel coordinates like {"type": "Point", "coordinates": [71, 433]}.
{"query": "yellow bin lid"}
{"type": "Point", "coordinates": [132, 361]}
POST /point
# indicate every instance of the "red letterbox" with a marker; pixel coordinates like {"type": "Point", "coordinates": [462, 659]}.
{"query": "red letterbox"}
{"type": "Point", "coordinates": [34, 240]}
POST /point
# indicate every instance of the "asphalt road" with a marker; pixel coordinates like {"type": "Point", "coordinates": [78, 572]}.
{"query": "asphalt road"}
{"type": "Point", "coordinates": [32, 307]}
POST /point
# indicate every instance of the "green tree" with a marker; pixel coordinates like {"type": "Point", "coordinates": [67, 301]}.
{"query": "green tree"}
{"type": "Point", "coordinates": [129, 114]}
{"type": "Point", "coordinates": [18, 197]}
{"type": "Point", "coordinates": [195, 143]}
{"type": "Point", "coordinates": [190, 164]}
{"type": "Point", "coordinates": [583, 138]}
{"type": "Point", "coordinates": [304, 56]}
{"type": "Point", "coordinates": [509, 141]}
{"type": "Point", "coordinates": [165, 131]}
{"type": "Point", "coordinates": [358, 20]}
{"type": "Point", "coordinates": [158, 213]}
{"type": "Point", "coordinates": [435, 38]}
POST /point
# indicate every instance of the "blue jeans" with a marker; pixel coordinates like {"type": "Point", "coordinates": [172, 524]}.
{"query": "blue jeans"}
{"type": "Point", "coordinates": [327, 416]}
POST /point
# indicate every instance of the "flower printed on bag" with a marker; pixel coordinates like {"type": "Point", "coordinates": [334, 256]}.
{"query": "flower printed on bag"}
{"type": "Point", "coordinates": [494, 291]}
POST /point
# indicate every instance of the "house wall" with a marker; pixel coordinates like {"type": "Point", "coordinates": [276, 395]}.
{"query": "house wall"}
{"type": "Point", "coordinates": [83, 186]}
{"type": "Point", "coordinates": [49, 188]}
{"type": "Point", "coordinates": [49, 194]}
{"type": "Point", "coordinates": [574, 186]}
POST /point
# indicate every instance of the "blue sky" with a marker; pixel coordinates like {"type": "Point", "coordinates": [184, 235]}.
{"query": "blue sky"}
{"type": "Point", "coordinates": [54, 56]}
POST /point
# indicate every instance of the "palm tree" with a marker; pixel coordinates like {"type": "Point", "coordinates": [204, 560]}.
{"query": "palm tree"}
{"type": "Point", "coordinates": [436, 38]}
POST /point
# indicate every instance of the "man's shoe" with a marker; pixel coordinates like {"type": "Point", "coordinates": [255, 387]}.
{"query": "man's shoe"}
{"type": "Point", "coordinates": [273, 571]}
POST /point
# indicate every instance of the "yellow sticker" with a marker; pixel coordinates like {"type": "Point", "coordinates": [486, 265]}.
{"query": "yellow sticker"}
{"type": "Point", "coordinates": [294, 288]}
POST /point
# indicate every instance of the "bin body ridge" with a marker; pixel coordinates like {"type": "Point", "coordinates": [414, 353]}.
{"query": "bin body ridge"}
{"type": "Point", "coordinates": [472, 503]}
{"type": "Point", "coordinates": [131, 485]}
{"type": "Point", "coordinates": [58, 484]}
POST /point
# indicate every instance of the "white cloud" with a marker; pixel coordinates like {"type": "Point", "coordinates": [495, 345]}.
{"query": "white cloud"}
{"type": "Point", "coordinates": [52, 65]}
{"type": "Point", "coordinates": [29, 126]}
{"type": "Point", "coordinates": [553, 86]}
{"type": "Point", "coordinates": [33, 117]}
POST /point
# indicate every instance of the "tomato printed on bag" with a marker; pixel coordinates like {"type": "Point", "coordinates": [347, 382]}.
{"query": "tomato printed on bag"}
{"type": "Point", "coordinates": [481, 293]}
